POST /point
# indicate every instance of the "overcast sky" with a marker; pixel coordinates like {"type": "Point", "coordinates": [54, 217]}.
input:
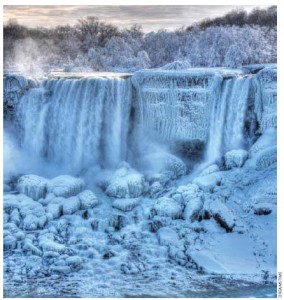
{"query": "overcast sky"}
{"type": "Point", "coordinates": [150, 17]}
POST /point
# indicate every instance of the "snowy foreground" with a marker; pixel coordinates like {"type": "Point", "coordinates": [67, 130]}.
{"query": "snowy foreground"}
{"type": "Point", "coordinates": [159, 226]}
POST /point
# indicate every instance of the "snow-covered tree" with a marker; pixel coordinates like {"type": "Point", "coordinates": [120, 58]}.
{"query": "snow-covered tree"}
{"type": "Point", "coordinates": [234, 57]}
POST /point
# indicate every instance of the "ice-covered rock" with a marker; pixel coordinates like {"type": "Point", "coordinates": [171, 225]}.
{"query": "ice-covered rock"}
{"type": "Point", "coordinates": [125, 183]}
{"type": "Point", "coordinates": [132, 268]}
{"type": "Point", "coordinates": [49, 245]}
{"type": "Point", "coordinates": [127, 204]}
{"type": "Point", "coordinates": [65, 186]}
{"type": "Point", "coordinates": [189, 192]}
{"type": "Point", "coordinates": [30, 248]}
{"type": "Point", "coordinates": [262, 208]}
{"type": "Point", "coordinates": [32, 186]}
{"type": "Point", "coordinates": [71, 205]}
{"type": "Point", "coordinates": [168, 236]}
{"type": "Point", "coordinates": [221, 213]}
{"type": "Point", "coordinates": [266, 158]}
{"type": "Point", "coordinates": [235, 158]}
{"type": "Point", "coordinates": [266, 140]}
{"type": "Point", "coordinates": [155, 189]}
{"type": "Point", "coordinates": [207, 183]}
{"type": "Point", "coordinates": [117, 221]}
{"type": "Point", "coordinates": [15, 217]}
{"type": "Point", "coordinates": [163, 163]}
{"type": "Point", "coordinates": [193, 209]}
{"type": "Point", "coordinates": [266, 99]}
{"type": "Point", "coordinates": [88, 199]}
{"type": "Point", "coordinates": [209, 170]}
{"type": "Point", "coordinates": [10, 242]}
{"type": "Point", "coordinates": [168, 207]}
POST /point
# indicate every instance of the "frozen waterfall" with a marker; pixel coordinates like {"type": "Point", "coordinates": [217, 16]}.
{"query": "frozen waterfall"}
{"type": "Point", "coordinates": [77, 123]}
{"type": "Point", "coordinates": [228, 118]}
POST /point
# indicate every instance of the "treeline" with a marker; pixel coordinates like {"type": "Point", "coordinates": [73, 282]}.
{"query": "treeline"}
{"type": "Point", "coordinates": [239, 17]}
{"type": "Point", "coordinates": [93, 45]}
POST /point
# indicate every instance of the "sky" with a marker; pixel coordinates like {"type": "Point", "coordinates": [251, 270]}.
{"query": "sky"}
{"type": "Point", "coordinates": [151, 17]}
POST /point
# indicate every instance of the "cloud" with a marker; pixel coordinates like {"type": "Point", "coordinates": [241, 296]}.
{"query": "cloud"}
{"type": "Point", "coordinates": [151, 17]}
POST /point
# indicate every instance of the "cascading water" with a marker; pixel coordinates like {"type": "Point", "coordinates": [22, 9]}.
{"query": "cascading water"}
{"type": "Point", "coordinates": [228, 118]}
{"type": "Point", "coordinates": [77, 123]}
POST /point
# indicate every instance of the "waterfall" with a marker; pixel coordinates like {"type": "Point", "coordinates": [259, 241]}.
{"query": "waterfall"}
{"type": "Point", "coordinates": [228, 118]}
{"type": "Point", "coordinates": [77, 122]}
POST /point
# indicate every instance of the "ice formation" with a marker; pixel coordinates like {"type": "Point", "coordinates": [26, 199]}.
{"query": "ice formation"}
{"type": "Point", "coordinates": [169, 183]}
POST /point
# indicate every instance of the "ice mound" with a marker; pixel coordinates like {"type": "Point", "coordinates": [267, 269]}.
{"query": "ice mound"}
{"type": "Point", "coordinates": [32, 186]}
{"type": "Point", "coordinates": [168, 207]}
{"type": "Point", "coordinates": [209, 182]}
{"type": "Point", "coordinates": [127, 204]}
{"type": "Point", "coordinates": [163, 163]}
{"type": "Point", "coordinates": [235, 158]}
{"type": "Point", "coordinates": [65, 186]}
{"type": "Point", "coordinates": [125, 183]}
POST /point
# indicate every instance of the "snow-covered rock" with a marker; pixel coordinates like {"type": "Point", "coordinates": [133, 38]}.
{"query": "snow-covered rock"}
{"type": "Point", "coordinates": [88, 199]}
{"type": "Point", "coordinates": [221, 213]}
{"type": "Point", "coordinates": [127, 204]}
{"type": "Point", "coordinates": [262, 208]}
{"type": "Point", "coordinates": [266, 140]}
{"type": "Point", "coordinates": [209, 170]}
{"type": "Point", "coordinates": [65, 186]}
{"type": "Point", "coordinates": [207, 183]}
{"type": "Point", "coordinates": [32, 186]}
{"type": "Point", "coordinates": [125, 183]}
{"type": "Point", "coordinates": [168, 207]}
{"type": "Point", "coordinates": [193, 209]}
{"type": "Point", "coordinates": [235, 158]}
